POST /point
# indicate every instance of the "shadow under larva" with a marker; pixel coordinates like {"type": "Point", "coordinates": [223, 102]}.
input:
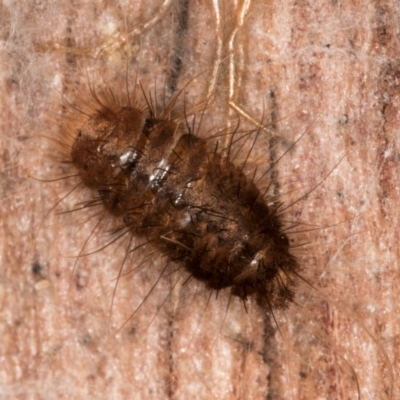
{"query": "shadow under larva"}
{"type": "Point", "coordinates": [350, 263]}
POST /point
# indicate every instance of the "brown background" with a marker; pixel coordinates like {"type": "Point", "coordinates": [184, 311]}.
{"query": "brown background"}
{"type": "Point", "coordinates": [327, 68]}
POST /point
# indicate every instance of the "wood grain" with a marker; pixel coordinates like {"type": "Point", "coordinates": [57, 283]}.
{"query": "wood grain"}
{"type": "Point", "coordinates": [326, 69]}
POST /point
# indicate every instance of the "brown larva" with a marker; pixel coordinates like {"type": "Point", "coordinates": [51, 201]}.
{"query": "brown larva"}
{"type": "Point", "coordinates": [54, 330]}
{"type": "Point", "coordinates": [163, 184]}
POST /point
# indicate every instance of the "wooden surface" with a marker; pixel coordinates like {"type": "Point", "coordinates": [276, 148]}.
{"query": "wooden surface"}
{"type": "Point", "coordinates": [326, 69]}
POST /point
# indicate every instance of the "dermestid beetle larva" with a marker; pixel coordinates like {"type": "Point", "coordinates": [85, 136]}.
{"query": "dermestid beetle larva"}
{"type": "Point", "coordinates": [164, 185]}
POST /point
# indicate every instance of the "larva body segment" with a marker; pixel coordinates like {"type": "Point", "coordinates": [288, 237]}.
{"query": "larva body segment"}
{"type": "Point", "coordinates": [194, 206]}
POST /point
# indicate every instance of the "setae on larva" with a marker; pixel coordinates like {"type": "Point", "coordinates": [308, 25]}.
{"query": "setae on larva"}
{"type": "Point", "coordinates": [164, 185]}
{"type": "Point", "coordinates": [333, 64]}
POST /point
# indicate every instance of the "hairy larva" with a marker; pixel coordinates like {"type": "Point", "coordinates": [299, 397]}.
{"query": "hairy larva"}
{"type": "Point", "coordinates": [302, 55]}
{"type": "Point", "coordinates": [162, 183]}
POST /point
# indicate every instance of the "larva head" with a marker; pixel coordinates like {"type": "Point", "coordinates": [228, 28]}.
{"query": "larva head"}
{"type": "Point", "coordinates": [100, 146]}
{"type": "Point", "coordinates": [271, 275]}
